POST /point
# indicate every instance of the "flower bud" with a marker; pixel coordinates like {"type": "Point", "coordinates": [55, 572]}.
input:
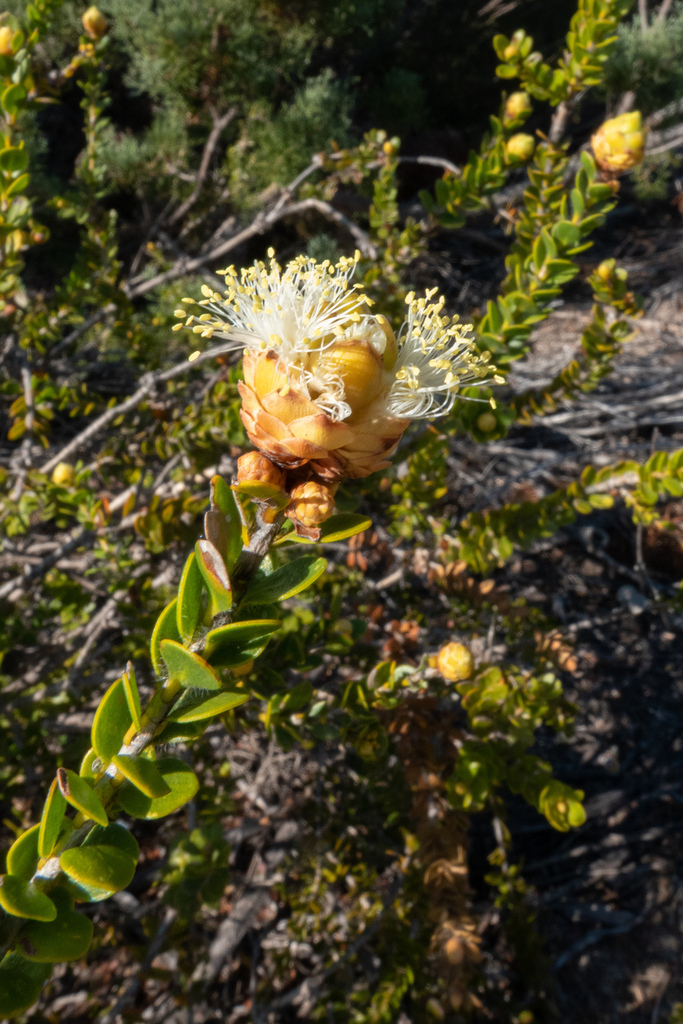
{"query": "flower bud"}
{"type": "Point", "coordinates": [254, 467]}
{"type": "Point", "coordinates": [455, 662]}
{"type": "Point", "coordinates": [63, 475]}
{"type": "Point", "coordinates": [94, 23]}
{"type": "Point", "coordinates": [312, 503]}
{"type": "Point", "coordinates": [487, 422]}
{"type": "Point", "coordinates": [619, 144]}
{"type": "Point", "coordinates": [6, 36]}
{"type": "Point", "coordinates": [517, 105]}
{"type": "Point", "coordinates": [520, 148]}
{"type": "Point", "coordinates": [605, 270]}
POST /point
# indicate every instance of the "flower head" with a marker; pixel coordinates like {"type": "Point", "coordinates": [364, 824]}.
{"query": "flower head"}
{"type": "Point", "coordinates": [325, 380]}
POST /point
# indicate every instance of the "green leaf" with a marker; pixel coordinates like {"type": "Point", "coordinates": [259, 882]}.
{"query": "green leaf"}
{"type": "Point", "coordinates": [187, 668]}
{"type": "Point", "coordinates": [79, 794]}
{"type": "Point", "coordinates": [166, 629]}
{"type": "Point", "coordinates": [18, 185]}
{"type": "Point", "coordinates": [90, 760]}
{"type": "Point", "coordinates": [12, 97]}
{"type": "Point", "coordinates": [237, 642]}
{"type": "Point", "coordinates": [285, 582]}
{"type": "Point", "coordinates": [336, 528]}
{"type": "Point", "coordinates": [105, 867]}
{"type": "Point", "coordinates": [112, 721]}
{"type": "Point", "coordinates": [20, 984]}
{"type": "Point", "coordinates": [566, 233]}
{"type": "Point", "coordinates": [222, 523]}
{"type": "Point", "coordinates": [190, 594]}
{"type": "Point", "coordinates": [23, 899]}
{"type": "Point", "coordinates": [195, 705]}
{"type": "Point", "coordinates": [601, 500]}
{"type": "Point", "coordinates": [113, 835]}
{"type": "Point", "coordinates": [215, 576]}
{"type": "Point", "coordinates": [23, 856]}
{"type": "Point", "coordinates": [143, 773]}
{"type": "Point", "coordinates": [51, 820]}
{"type": "Point", "coordinates": [298, 697]}
{"type": "Point", "coordinates": [181, 780]}
{"type": "Point", "coordinates": [66, 938]}
{"type": "Point", "coordinates": [132, 695]}
{"type": "Point", "coordinates": [13, 158]}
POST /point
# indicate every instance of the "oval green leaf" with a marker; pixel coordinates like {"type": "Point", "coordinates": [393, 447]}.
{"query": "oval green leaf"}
{"type": "Point", "coordinates": [51, 820]}
{"type": "Point", "coordinates": [66, 938]}
{"type": "Point", "coordinates": [166, 629]}
{"type": "Point", "coordinates": [79, 794]}
{"type": "Point", "coordinates": [285, 582]}
{"type": "Point", "coordinates": [222, 523]}
{"type": "Point", "coordinates": [132, 694]}
{"type": "Point", "coordinates": [23, 854]}
{"type": "Point", "coordinates": [187, 668]}
{"type": "Point", "coordinates": [237, 642]}
{"type": "Point", "coordinates": [20, 984]}
{"type": "Point", "coordinates": [112, 721]}
{"type": "Point", "coordinates": [180, 779]}
{"type": "Point", "coordinates": [12, 97]}
{"type": "Point", "coordinates": [194, 705]}
{"type": "Point", "coordinates": [89, 763]}
{"type": "Point", "coordinates": [215, 576]}
{"type": "Point", "coordinates": [336, 528]}
{"type": "Point", "coordinates": [23, 899]}
{"type": "Point", "coordinates": [143, 773]}
{"type": "Point", "coordinates": [105, 867]}
{"type": "Point", "coordinates": [190, 594]}
{"type": "Point", "coordinates": [113, 835]}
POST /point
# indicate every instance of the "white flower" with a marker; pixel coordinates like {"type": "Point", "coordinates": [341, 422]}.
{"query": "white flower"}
{"type": "Point", "coordinates": [325, 380]}
{"type": "Point", "coordinates": [305, 312]}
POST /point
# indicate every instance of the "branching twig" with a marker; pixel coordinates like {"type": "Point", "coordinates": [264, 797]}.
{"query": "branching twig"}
{"type": "Point", "coordinates": [147, 384]}
{"type": "Point", "coordinates": [219, 123]}
{"type": "Point", "coordinates": [29, 423]}
{"type": "Point", "coordinates": [131, 989]}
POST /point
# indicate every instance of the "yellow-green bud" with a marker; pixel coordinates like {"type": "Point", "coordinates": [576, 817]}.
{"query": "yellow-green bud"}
{"type": "Point", "coordinates": [6, 36]}
{"type": "Point", "coordinates": [487, 422]}
{"type": "Point", "coordinates": [605, 270]}
{"type": "Point", "coordinates": [64, 474]}
{"type": "Point", "coordinates": [94, 23]}
{"type": "Point", "coordinates": [455, 662]}
{"type": "Point", "coordinates": [619, 144]}
{"type": "Point", "coordinates": [520, 148]}
{"type": "Point", "coordinates": [517, 105]}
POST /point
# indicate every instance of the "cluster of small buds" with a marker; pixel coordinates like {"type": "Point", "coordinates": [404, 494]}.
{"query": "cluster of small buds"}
{"type": "Point", "coordinates": [619, 144]}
